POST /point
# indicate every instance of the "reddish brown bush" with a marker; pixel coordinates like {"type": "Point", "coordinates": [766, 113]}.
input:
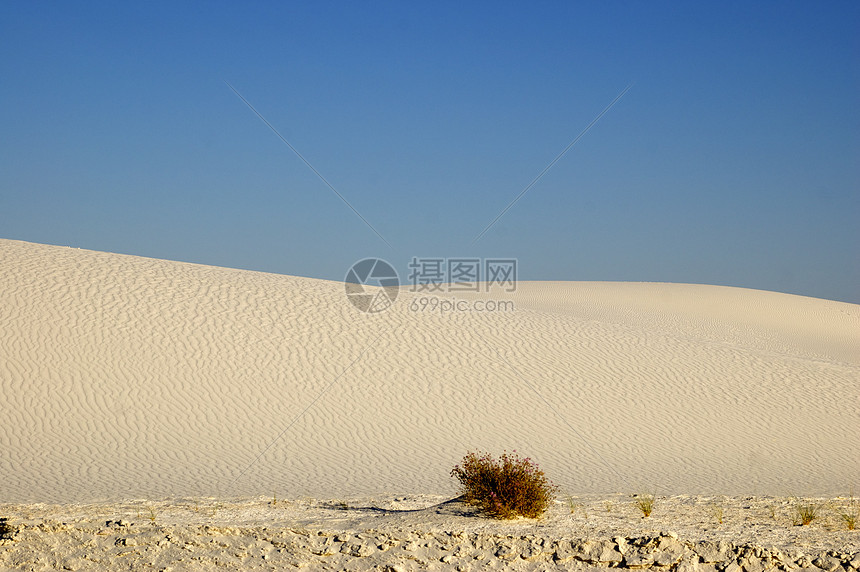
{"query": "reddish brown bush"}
{"type": "Point", "coordinates": [506, 488]}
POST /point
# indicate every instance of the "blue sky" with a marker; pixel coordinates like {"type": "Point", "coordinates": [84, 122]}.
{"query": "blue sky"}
{"type": "Point", "coordinates": [733, 159]}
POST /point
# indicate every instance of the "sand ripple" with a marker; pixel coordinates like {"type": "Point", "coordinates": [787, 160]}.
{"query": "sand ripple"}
{"type": "Point", "coordinates": [123, 376]}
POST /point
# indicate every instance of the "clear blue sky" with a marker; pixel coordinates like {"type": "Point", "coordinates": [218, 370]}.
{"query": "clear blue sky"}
{"type": "Point", "coordinates": [732, 160]}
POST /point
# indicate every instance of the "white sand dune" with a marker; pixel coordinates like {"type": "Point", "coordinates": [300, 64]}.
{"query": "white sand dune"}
{"type": "Point", "coordinates": [127, 377]}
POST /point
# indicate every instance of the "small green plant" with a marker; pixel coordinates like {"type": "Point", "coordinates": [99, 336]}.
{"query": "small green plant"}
{"type": "Point", "coordinates": [849, 513]}
{"type": "Point", "coordinates": [152, 515]}
{"type": "Point", "coordinates": [645, 503]}
{"type": "Point", "coordinates": [608, 506]}
{"type": "Point", "coordinates": [504, 488]}
{"type": "Point", "coordinates": [804, 513]}
{"type": "Point", "coordinates": [576, 506]}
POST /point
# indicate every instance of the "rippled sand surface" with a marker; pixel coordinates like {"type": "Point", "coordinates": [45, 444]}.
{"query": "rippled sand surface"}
{"type": "Point", "coordinates": [127, 377]}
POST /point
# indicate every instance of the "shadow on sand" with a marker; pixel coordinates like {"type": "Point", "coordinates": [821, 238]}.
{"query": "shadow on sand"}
{"type": "Point", "coordinates": [453, 507]}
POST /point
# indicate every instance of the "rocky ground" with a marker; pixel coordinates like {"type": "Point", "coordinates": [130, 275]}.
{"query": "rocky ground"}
{"type": "Point", "coordinates": [684, 533]}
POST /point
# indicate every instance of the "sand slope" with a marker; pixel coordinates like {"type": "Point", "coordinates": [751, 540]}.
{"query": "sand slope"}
{"type": "Point", "coordinates": [123, 377]}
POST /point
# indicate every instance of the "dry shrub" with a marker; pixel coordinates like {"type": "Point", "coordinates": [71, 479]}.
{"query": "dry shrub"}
{"type": "Point", "coordinates": [7, 531]}
{"type": "Point", "coordinates": [506, 488]}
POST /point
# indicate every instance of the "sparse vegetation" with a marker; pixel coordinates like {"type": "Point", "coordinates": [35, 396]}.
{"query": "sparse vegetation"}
{"type": "Point", "coordinates": [608, 506]}
{"type": "Point", "coordinates": [504, 488]}
{"type": "Point", "coordinates": [804, 513]}
{"type": "Point", "coordinates": [645, 503]}
{"type": "Point", "coordinates": [576, 506]}
{"type": "Point", "coordinates": [772, 512]}
{"type": "Point", "coordinates": [717, 512]}
{"type": "Point", "coordinates": [849, 513]}
{"type": "Point", "coordinates": [572, 504]}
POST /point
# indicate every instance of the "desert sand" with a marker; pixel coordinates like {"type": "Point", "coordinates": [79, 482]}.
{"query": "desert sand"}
{"type": "Point", "coordinates": [124, 377]}
{"type": "Point", "coordinates": [421, 532]}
